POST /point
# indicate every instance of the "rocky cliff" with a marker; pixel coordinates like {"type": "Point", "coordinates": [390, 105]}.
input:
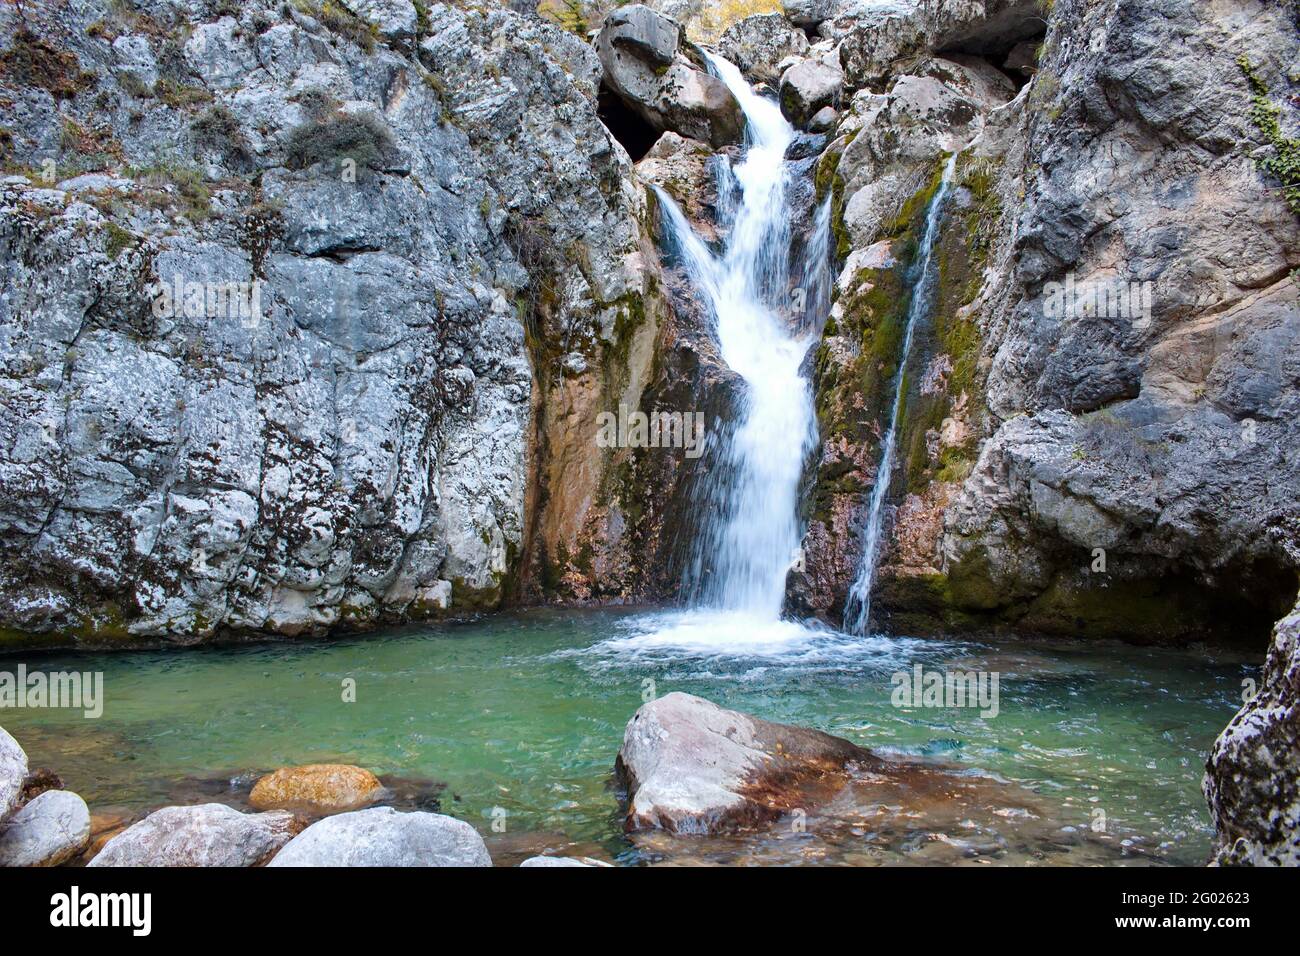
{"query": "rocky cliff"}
{"type": "Point", "coordinates": [1099, 429]}
{"type": "Point", "coordinates": [306, 309]}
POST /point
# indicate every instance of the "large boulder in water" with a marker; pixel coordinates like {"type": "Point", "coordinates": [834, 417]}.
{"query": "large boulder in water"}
{"type": "Point", "coordinates": [665, 80]}
{"type": "Point", "coordinates": [49, 830]}
{"type": "Point", "coordinates": [317, 788]}
{"type": "Point", "coordinates": [381, 836]}
{"type": "Point", "coordinates": [13, 771]}
{"type": "Point", "coordinates": [690, 766]}
{"type": "Point", "coordinates": [1251, 783]}
{"type": "Point", "coordinates": [211, 834]}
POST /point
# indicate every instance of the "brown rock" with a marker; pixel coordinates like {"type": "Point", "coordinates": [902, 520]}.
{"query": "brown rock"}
{"type": "Point", "coordinates": [319, 788]}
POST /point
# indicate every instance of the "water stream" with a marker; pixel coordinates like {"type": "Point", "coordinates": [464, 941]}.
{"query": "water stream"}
{"type": "Point", "coordinates": [745, 547]}
{"type": "Point", "coordinates": [857, 607]}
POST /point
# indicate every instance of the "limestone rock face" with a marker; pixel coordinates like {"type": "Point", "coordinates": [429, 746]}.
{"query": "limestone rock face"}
{"type": "Point", "coordinates": [1067, 464]}
{"type": "Point", "coordinates": [13, 771]}
{"type": "Point", "coordinates": [1250, 781]}
{"type": "Point", "coordinates": [391, 19]}
{"type": "Point", "coordinates": [211, 834]}
{"type": "Point", "coordinates": [443, 261]}
{"type": "Point", "coordinates": [690, 766]}
{"type": "Point", "coordinates": [50, 829]}
{"type": "Point", "coordinates": [381, 836]}
{"type": "Point", "coordinates": [319, 788]}
{"type": "Point", "coordinates": [759, 43]}
{"type": "Point", "coordinates": [663, 79]}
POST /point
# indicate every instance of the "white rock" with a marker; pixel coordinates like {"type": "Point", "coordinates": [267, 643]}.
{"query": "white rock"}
{"type": "Point", "coordinates": [211, 834]}
{"type": "Point", "coordinates": [51, 829]}
{"type": "Point", "coordinates": [381, 836]}
{"type": "Point", "coordinates": [13, 771]}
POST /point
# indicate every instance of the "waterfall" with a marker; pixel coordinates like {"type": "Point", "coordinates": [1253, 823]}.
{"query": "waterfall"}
{"type": "Point", "coordinates": [750, 529]}
{"type": "Point", "coordinates": [857, 607]}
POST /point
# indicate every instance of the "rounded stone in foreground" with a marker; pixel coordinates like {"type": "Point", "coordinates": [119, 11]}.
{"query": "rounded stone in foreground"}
{"type": "Point", "coordinates": [211, 834]}
{"type": "Point", "coordinates": [584, 861]}
{"type": "Point", "coordinates": [381, 836]}
{"type": "Point", "coordinates": [51, 829]}
{"type": "Point", "coordinates": [13, 771]}
{"type": "Point", "coordinates": [319, 787]}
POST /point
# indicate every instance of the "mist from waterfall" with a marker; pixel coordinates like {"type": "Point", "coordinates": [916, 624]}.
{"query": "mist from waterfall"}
{"type": "Point", "coordinates": [857, 607]}
{"type": "Point", "coordinates": [749, 529]}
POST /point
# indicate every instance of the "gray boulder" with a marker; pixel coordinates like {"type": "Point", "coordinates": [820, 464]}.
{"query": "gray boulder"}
{"type": "Point", "coordinates": [1251, 782]}
{"type": "Point", "coordinates": [211, 834]}
{"type": "Point", "coordinates": [807, 87]}
{"type": "Point", "coordinates": [13, 771]}
{"type": "Point", "coordinates": [381, 836]}
{"type": "Point", "coordinates": [690, 766]}
{"type": "Point", "coordinates": [809, 13]}
{"type": "Point", "coordinates": [647, 65]}
{"type": "Point", "coordinates": [51, 829]}
{"type": "Point", "coordinates": [759, 43]}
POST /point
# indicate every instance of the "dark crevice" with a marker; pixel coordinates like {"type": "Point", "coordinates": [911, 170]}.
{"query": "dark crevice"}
{"type": "Point", "coordinates": [625, 124]}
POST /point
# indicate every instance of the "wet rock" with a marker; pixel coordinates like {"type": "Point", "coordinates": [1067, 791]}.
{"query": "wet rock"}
{"type": "Point", "coordinates": [585, 861]}
{"type": "Point", "coordinates": [1251, 780]}
{"type": "Point", "coordinates": [211, 834]}
{"type": "Point", "coordinates": [381, 836]}
{"type": "Point", "coordinates": [682, 168]}
{"type": "Point", "coordinates": [646, 63]}
{"type": "Point", "coordinates": [50, 830]}
{"type": "Point", "coordinates": [317, 788]}
{"type": "Point", "coordinates": [807, 87]}
{"type": "Point", "coordinates": [38, 781]}
{"type": "Point", "coordinates": [13, 773]}
{"type": "Point", "coordinates": [758, 44]}
{"type": "Point", "coordinates": [690, 766]}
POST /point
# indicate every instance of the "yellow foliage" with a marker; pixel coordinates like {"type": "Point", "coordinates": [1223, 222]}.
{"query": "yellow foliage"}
{"type": "Point", "coordinates": [716, 15]}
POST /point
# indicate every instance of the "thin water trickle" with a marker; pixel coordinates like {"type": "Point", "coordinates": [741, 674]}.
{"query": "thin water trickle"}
{"type": "Point", "coordinates": [857, 607]}
{"type": "Point", "coordinates": [751, 529]}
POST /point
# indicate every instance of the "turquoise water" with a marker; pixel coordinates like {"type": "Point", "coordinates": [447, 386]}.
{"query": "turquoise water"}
{"type": "Point", "coordinates": [513, 723]}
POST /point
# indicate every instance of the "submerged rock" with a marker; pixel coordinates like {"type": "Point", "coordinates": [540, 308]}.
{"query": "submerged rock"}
{"type": "Point", "coordinates": [13, 773]}
{"type": "Point", "coordinates": [51, 829]}
{"type": "Point", "coordinates": [1252, 779]}
{"type": "Point", "coordinates": [692, 767]}
{"type": "Point", "coordinates": [586, 861]}
{"type": "Point", "coordinates": [319, 788]}
{"type": "Point", "coordinates": [381, 836]}
{"type": "Point", "coordinates": [211, 834]}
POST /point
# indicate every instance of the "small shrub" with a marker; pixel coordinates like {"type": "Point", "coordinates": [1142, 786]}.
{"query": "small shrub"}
{"type": "Point", "coordinates": [336, 136]}
{"type": "Point", "coordinates": [34, 61]}
{"type": "Point", "coordinates": [179, 95]}
{"type": "Point", "coordinates": [218, 129]}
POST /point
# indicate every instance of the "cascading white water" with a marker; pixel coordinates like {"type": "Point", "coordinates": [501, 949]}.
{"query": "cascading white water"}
{"type": "Point", "coordinates": [745, 549]}
{"type": "Point", "coordinates": [857, 607]}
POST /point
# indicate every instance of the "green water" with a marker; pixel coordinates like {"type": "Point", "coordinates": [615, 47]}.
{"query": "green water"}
{"type": "Point", "coordinates": [515, 721]}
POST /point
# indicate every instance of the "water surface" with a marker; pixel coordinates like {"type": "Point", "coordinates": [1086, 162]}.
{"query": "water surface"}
{"type": "Point", "coordinates": [516, 720]}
